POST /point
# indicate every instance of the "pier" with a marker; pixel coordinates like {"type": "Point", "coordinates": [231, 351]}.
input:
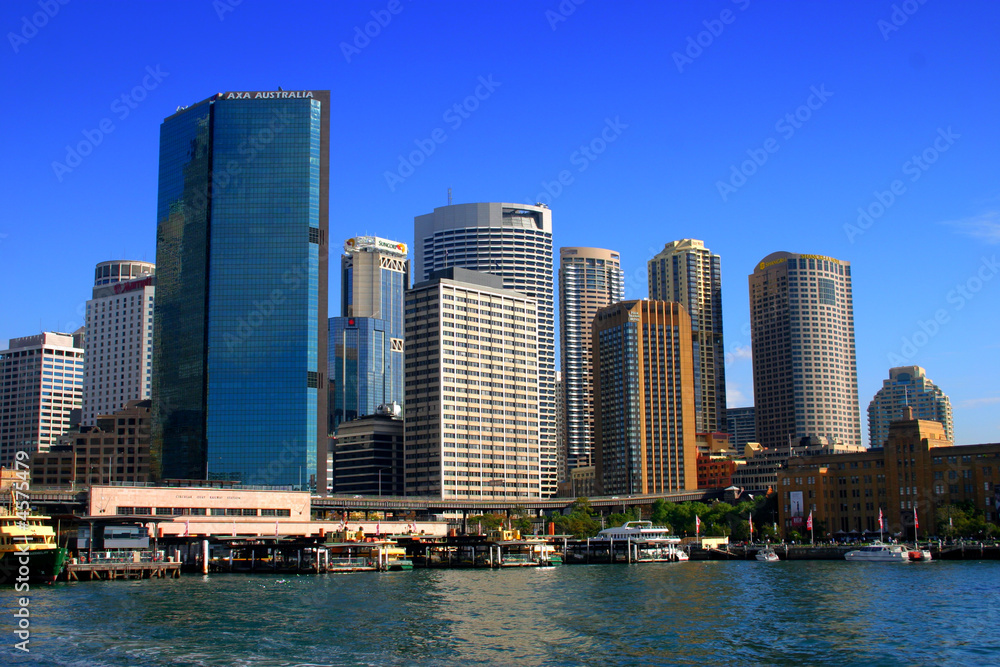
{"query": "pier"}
{"type": "Point", "coordinates": [121, 570]}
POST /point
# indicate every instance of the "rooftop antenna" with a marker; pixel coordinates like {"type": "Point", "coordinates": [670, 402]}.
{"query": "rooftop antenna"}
{"type": "Point", "coordinates": [449, 196]}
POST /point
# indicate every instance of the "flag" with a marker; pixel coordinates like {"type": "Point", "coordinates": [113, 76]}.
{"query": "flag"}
{"type": "Point", "coordinates": [275, 528]}
{"type": "Point", "coordinates": [916, 524]}
{"type": "Point", "coordinates": [697, 525]}
{"type": "Point", "coordinates": [809, 521]}
{"type": "Point", "coordinates": [378, 528]}
{"type": "Point", "coordinates": [880, 526]}
{"type": "Point", "coordinates": [187, 528]}
{"type": "Point", "coordinates": [234, 529]}
{"type": "Point", "coordinates": [751, 527]}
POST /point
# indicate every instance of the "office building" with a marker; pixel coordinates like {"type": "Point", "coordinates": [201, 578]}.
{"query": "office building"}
{"type": "Point", "coordinates": [471, 389]}
{"type": "Point", "coordinates": [239, 331]}
{"type": "Point", "coordinates": [741, 426]}
{"type": "Point", "coordinates": [118, 343]}
{"type": "Point", "coordinates": [42, 391]}
{"type": "Point", "coordinates": [114, 450]}
{"type": "Point", "coordinates": [687, 272]}
{"type": "Point", "coordinates": [513, 241]}
{"type": "Point", "coordinates": [368, 454]}
{"type": "Point", "coordinates": [644, 435]}
{"type": "Point", "coordinates": [805, 375]}
{"type": "Point", "coordinates": [916, 470]}
{"type": "Point", "coordinates": [366, 341]}
{"type": "Point", "coordinates": [908, 386]}
{"type": "Point", "coordinates": [759, 466]}
{"type": "Point", "coordinates": [589, 279]}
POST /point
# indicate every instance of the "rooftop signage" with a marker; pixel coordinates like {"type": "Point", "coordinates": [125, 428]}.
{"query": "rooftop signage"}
{"type": "Point", "coordinates": [374, 243]}
{"type": "Point", "coordinates": [268, 95]}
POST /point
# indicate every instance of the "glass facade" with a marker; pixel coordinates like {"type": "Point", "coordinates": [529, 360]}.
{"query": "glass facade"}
{"type": "Point", "coordinates": [366, 342]}
{"type": "Point", "coordinates": [239, 350]}
{"type": "Point", "coordinates": [366, 372]}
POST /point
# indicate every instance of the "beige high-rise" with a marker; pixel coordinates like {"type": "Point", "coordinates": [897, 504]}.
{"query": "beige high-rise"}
{"type": "Point", "coordinates": [687, 272]}
{"type": "Point", "coordinates": [805, 377]}
{"type": "Point", "coordinates": [472, 415]}
{"type": "Point", "coordinates": [644, 427]}
{"type": "Point", "coordinates": [589, 279]}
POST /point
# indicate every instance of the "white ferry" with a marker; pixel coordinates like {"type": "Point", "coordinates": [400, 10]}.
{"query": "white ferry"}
{"type": "Point", "coordinates": [880, 553]}
{"type": "Point", "coordinates": [655, 543]}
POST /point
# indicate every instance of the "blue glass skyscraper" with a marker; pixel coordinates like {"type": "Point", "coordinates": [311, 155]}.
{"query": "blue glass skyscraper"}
{"type": "Point", "coordinates": [366, 342]}
{"type": "Point", "coordinates": [239, 383]}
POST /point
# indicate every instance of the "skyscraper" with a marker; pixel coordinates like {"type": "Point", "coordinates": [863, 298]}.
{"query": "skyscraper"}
{"type": "Point", "coordinates": [805, 376]}
{"type": "Point", "coordinates": [687, 272]}
{"type": "Point", "coordinates": [240, 341]}
{"type": "Point", "coordinates": [589, 279]}
{"type": "Point", "coordinates": [741, 426]}
{"type": "Point", "coordinates": [366, 341]}
{"type": "Point", "coordinates": [644, 434]}
{"type": "Point", "coordinates": [472, 389]}
{"type": "Point", "coordinates": [513, 241]}
{"type": "Point", "coordinates": [118, 344]}
{"type": "Point", "coordinates": [907, 386]}
{"type": "Point", "coordinates": [42, 387]}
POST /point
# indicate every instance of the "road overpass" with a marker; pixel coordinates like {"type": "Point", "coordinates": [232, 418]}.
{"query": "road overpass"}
{"type": "Point", "coordinates": [50, 500]}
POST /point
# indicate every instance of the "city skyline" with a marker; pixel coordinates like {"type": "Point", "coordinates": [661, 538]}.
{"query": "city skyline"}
{"type": "Point", "coordinates": [886, 156]}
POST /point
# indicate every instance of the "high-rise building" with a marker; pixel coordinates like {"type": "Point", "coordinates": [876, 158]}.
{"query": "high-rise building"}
{"type": "Point", "coordinates": [687, 272]}
{"type": "Point", "coordinates": [368, 454]}
{"type": "Point", "coordinates": [239, 332]}
{"type": "Point", "coordinates": [644, 426]}
{"type": "Point", "coordinates": [471, 389]}
{"type": "Point", "coordinates": [42, 387]}
{"type": "Point", "coordinates": [908, 386]}
{"type": "Point", "coordinates": [513, 241]}
{"type": "Point", "coordinates": [366, 341]}
{"type": "Point", "coordinates": [118, 343]}
{"type": "Point", "coordinates": [589, 279]}
{"type": "Point", "coordinates": [805, 376]}
{"type": "Point", "coordinates": [741, 425]}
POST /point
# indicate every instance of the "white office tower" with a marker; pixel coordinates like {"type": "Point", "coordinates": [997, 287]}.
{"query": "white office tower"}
{"type": "Point", "coordinates": [513, 241]}
{"type": "Point", "coordinates": [119, 339]}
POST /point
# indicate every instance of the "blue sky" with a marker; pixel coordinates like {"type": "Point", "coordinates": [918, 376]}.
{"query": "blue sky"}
{"type": "Point", "coordinates": [753, 126]}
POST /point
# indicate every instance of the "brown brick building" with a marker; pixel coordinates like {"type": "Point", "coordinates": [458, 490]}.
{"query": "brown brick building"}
{"type": "Point", "coordinates": [917, 469]}
{"type": "Point", "coordinates": [115, 450]}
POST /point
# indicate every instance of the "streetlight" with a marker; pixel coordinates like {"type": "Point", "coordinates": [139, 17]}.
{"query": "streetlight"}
{"type": "Point", "coordinates": [380, 480]}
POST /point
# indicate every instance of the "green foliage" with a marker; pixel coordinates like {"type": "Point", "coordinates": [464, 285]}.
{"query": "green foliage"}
{"type": "Point", "coordinates": [580, 521]}
{"type": "Point", "coordinates": [964, 520]}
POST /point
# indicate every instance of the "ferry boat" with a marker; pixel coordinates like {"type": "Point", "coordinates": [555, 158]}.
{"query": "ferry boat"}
{"type": "Point", "coordinates": [655, 543]}
{"type": "Point", "coordinates": [32, 538]}
{"type": "Point", "coordinates": [767, 556]}
{"type": "Point", "coordinates": [880, 553]}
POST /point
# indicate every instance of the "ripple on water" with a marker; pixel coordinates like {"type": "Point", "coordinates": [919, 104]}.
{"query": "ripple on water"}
{"type": "Point", "coordinates": [732, 613]}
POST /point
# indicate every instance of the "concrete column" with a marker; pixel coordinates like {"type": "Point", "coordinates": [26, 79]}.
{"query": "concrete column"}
{"type": "Point", "coordinates": [204, 556]}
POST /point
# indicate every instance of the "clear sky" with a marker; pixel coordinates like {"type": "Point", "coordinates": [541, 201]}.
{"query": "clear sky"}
{"type": "Point", "coordinates": [753, 126]}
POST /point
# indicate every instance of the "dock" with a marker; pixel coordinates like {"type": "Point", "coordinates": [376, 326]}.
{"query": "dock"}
{"type": "Point", "coordinates": [121, 570]}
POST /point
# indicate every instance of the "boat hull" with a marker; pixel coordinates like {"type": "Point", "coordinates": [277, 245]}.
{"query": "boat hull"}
{"type": "Point", "coordinates": [44, 565]}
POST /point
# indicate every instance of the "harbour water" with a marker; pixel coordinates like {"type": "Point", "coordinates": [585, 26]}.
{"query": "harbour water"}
{"type": "Point", "coordinates": [726, 613]}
